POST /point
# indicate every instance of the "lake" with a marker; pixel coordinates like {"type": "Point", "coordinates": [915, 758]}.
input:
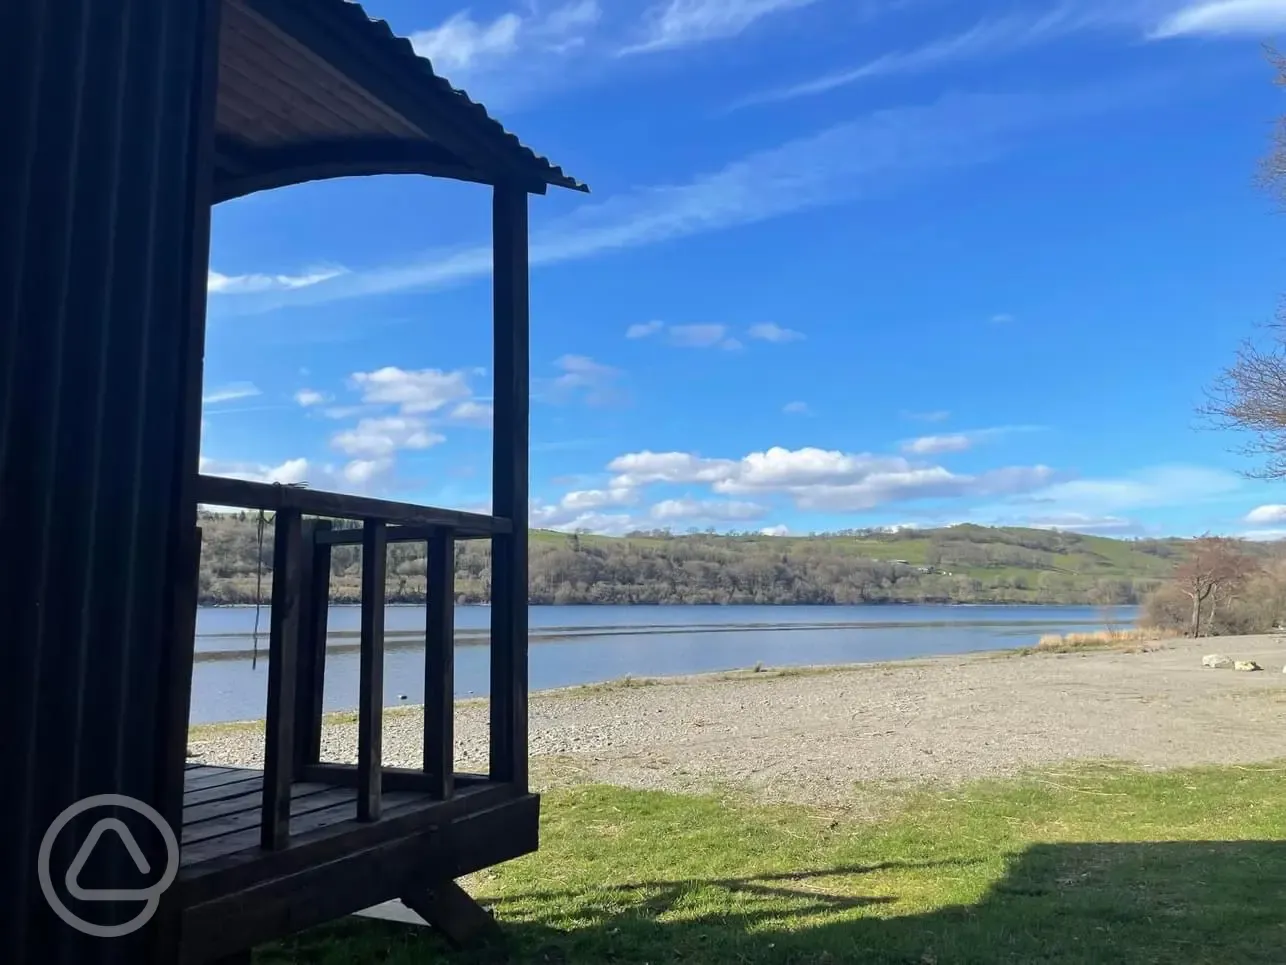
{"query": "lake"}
{"type": "Point", "coordinates": [590, 644]}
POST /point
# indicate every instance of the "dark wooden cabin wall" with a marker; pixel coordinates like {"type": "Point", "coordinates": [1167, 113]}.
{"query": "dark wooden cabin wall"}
{"type": "Point", "coordinates": [103, 224]}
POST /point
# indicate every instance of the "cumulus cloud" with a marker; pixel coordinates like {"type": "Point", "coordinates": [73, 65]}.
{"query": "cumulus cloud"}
{"type": "Point", "coordinates": [702, 336]}
{"type": "Point", "coordinates": [381, 438]}
{"type": "Point", "coordinates": [1267, 515]}
{"type": "Point", "coordinates": [290, 471]}
{"type": "Point", "coordinates": [310, 397]}
{"type": "Point", "coordinates": [724, 510]}
{"type": "Point", "coordinates": [425, 390]}
{"type": "Point", "coordinates": [778, 530]}
{"type": "Point", "coordinates": [825, 480]}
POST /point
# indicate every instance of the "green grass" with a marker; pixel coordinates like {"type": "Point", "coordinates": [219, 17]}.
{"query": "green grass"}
{"type": "Point", "coordinates": [1102, 864]}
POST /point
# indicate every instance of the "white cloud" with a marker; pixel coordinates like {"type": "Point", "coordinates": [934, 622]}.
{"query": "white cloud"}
{"type": "Point", "coordinates": [460, 41]}
{"type": "Point", "coordinates": [823, 480]}
{"type": "Point", "coordinates": [1263, 535]}
{"type": "Point", "coordinates": [585, 499]}
{"type": "Point", "coordinates": [935, 445]}
{"type": "Point", "coordinates": [680, 23]}
{"type": "Point", "coordinates": [726, 510]}
{"type": "Point", "coordinates": [702, 336]}
{"type": "Point", "coordinates": [1003, 318]}
{"type": "Point", "coordinates": [796, 408]}
{"type": "Point", "coordinates": [380, 438]}
{"type": "Point", "coordinates": [986, 39]}
{"type": "Point", "coordinates": [1272, 513]}
{"type": "Point", "coordinates": [779, 530]}
{"type": "Point", "coordinates": [474, 413]}
{"type": "Point", "coordinates": [1158, 486]}
{"type": "Point", "coordinates": [1256, 18]}
{"type": "Point", "coordinates": [229, 393]}
{"type": "Point", "coordinates": [362, 472]}
{"type": "Point", "coordinates": [882, 151]}
{"type": "Point", "coordinates": [958, 441]}
{"type": "Point", "coordinates": [290, 471]}
{"type": "Point", "coordinates": [644, 329]}
{"type": "Point", "coordinates": [770, 332]}
{"type": "Point", "coordinates": [939, 415]}
{"type": "Point", "coordinates": [310, 397]}
{"type": "Point", "coordinates": [426, 390]}
{"type": "Point", "coordinates": [581, 378]}
{"type": "Point", "coordinates": [220, 284]}
{"type": "Point", "coordinates": [1080, 523]}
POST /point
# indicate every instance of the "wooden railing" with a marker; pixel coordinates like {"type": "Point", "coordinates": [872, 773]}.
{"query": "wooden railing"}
{"type": "Point", "coordinates": [297, 639]}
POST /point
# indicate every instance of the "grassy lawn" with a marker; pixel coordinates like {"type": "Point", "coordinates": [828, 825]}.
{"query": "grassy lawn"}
{"type": "Point", "coordinates": [1088, 866]}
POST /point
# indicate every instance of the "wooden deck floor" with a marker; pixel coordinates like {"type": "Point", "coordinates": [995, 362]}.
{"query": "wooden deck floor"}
{"type": "Point", "coordinates": [234, 894]}
{"type": "Point", "coordinates": [222, 810]}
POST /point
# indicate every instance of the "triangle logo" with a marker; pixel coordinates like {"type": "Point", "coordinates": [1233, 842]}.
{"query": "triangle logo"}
{"type": "Point", "coordinates": [82, 858]}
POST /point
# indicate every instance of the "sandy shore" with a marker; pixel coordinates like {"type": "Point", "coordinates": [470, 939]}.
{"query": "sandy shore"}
{"type": "Point", "coordinates": [814, 735]}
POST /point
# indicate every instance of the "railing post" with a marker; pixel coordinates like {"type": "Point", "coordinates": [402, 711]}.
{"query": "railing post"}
{"type": "Point", "coordinates": [313, 614]}
{"type": "Point", "coordinates": [283, 649]}
{"type": "Point", "coordinates": [508, 750]}
{"type": "Point", "coordinates": [370, 717]}
{"type": "Point", "coordinates": [439, 664]}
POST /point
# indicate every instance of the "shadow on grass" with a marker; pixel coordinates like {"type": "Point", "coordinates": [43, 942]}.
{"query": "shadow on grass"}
{"type": "Point", "coordinates": [1186, 903]}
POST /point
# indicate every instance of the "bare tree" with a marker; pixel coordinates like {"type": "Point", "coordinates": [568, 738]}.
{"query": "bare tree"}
{"type": "Point", "coordinates": [1250, 395]}
{"type": "Point", "coordinates": [1214, 570]}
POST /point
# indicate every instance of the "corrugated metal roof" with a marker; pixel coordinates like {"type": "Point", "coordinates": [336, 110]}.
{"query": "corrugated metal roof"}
{"type": "Point", "coordinates": [400, 47]}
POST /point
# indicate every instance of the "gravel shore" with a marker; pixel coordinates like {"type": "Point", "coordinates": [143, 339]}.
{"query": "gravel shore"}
{"type": "Point", "coordinates": [813, 735]}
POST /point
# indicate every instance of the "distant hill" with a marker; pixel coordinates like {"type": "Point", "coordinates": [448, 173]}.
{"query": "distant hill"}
{"type": "Point", "coordinates": [959, 564]}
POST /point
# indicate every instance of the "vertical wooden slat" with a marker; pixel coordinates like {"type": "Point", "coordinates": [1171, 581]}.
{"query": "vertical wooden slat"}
{"type": "Point", "coordinates": [370, 719]}
{"type": "Point", "coordinates": [283, 651]}
{"type": "Point", "coordinates": [509, 488]}
{"type": "Point", "coordinates": [439, 664]}
{"type": "Point", "coordinates": [314, 610]}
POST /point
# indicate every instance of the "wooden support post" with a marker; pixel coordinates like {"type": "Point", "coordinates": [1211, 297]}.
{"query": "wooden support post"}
{"type": "Point", "coordinates": [453, 912]}
{"type": "Point", "coordinates": [370, 717]}
{"type": "Point", "coordinates": [314, 610]}
{"type": "Point", "coordinates": [439, 664]}
{"type": "Point", "coordinates": [509, 488]}
{"type": "Point", "coordinates": [283, 650]}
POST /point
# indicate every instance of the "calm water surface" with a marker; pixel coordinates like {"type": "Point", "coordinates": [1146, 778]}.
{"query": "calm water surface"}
{"type": "Point", "coordinates": [589, 644]}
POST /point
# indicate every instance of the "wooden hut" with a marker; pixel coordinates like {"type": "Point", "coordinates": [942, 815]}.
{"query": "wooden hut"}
{"type": "Point", "coordinates": [123, 123]}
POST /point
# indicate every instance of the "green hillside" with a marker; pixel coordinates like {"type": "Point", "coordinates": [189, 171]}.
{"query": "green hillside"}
{"type": "Point", "coordinates": [960, 564]}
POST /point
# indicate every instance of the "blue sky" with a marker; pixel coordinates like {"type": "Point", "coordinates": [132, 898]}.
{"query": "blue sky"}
{"type": "Point", "coordinates": [846, 263]}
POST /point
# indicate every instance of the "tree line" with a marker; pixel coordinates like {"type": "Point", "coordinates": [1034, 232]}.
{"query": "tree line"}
{"type": "Point", "coordinates": [958, 565]}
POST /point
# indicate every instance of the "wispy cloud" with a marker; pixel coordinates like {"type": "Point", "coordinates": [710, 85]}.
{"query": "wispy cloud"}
{"type": "Point", "coordinates": [219, 284]}
{"type": "Point", "coordinates": [796, 408]}
{"type": "Point", "coordinates": [582, 377]}
{"type": "Point", "coordinates": [936, 415]}
{"type": "Point", "coordinates": [958, 441]}
{"type": "Point", "coordinates": [870, 156]}
{"type": "Point", "coordinates": [229, 393]}
{"type": "Point", "coordinates": [681, 23]}
{"type": "Point", "coordinates": [703, 336]}
{"type": "Point", "coordinates": [771, 332]}
{"type": "Point", "coordinates": [509, 57]}
{"type": "Point", "coordinates": [1223, 18]}
{"type": "Point", "coordinates": [644, 329]}
{"type": "Point", "coordinates": [1013, 33]}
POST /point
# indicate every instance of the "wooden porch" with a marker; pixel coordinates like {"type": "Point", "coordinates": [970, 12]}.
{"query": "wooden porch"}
{"type": "Point", "coordinates": [162, 109]}
{"type": "Point", "coordinates": [266, 852]}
